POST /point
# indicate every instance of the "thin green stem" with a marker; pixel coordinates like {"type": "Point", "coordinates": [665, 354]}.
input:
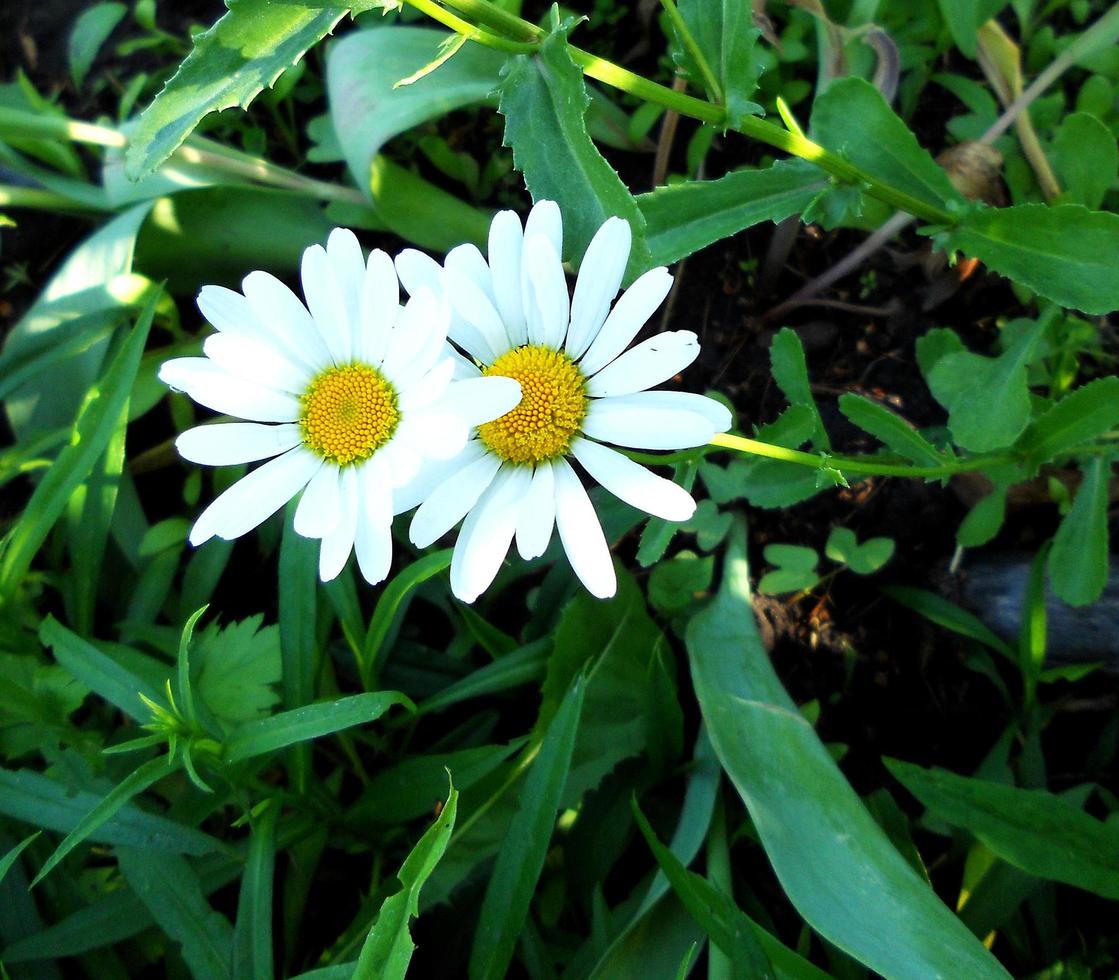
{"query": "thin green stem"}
{"type": "Point", "coordinates": [469, 31]}
{"type": "Point", "coordinates": [14, 196]}
{"type": "Point", "coordinates": [693, 49]}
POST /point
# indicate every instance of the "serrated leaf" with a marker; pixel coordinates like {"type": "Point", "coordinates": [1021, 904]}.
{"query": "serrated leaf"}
{"type": "Point", "coordinates": [544, 100]}
{"type": "Point", "coordinates": [237, 667]}
{"type": "Point", "coordinates": [725, 33]}
{"type": "Point", "coordinates": [852, 119]}
{"type": "Point", "coordinates": [231, 63]}
{"type": "Point", "coordinates": [790, 372]}
{"type": "Point", "coordinates": [1063, 252]}
{"type": "Point", "coordinates": [889, 428]}
{"type": "Point", "coordinates": [1083, 415]}
{"type": "Point", "coordinates": [683, 218]}
{"type": "Point", "coordinates": [1078, 566]}
{"type": "Point", "coordinates": [36, 699]}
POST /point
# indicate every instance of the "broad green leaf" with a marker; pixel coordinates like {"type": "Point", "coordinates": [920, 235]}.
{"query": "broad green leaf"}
{"type": "Point", "coordinates": [38, 800]}
{"type": "Point", "coordinates": [987, 398]}
{"type": "Point", "coordinates": [725, 33]}
{"type": "Point", "coordinates": [683, 218]}
{"type": "Point", "coordinates": [252, 933]}
{"type": "Point", "coordinates": [1063, 252]}
{"type": "Point", "coordinates": [1078, 566]}
{"type": "Point", "coordinates": [679, 583]}
{"type": "Point", "coordinates": [863, 559]}
{"type": "Point", "coordinates": [91, 293]}
{"type": "Point", "coordinates": [140, 779]}
{"type": "Point", "coordinates": [36, 699]}
{"type": "Point", "coordinates": [93, 429]}
{"type": "Point", "coordinates": [1079, 417]}
{"type": "Point", "coordinates": [835, 864]}
{"type": "Point", "coordinates": [366, 108]}
{"type": "Point", "coordinates": [521, 858]}
{"type": "Point", "coordinates": [964, 17]}
{"type": "Point", "coordinates": [889, 428]}
{"type": "Point", "coordinates": [236, 669]}
{"type": "Point", "coordinates": [544, 101]}
{"type": "Point", "coordinates": [1086, 158]}
{"type": "Point", "coordinates": [790, 372]}
{"type": "Point", "coordinates": [309, 722]}
{"type": "Point", "coordinates": [985, 518]}
{"type": "Point", "coordinates": [794, 571]}
{"type": "Point", "coordinates": [853, 119]}
{"type": "Point", "coordinates": [388, 948]}
{"type": "Point", "coordinates": [939, 610]}
{"type": "Point", "coordinates": [13, 854]}
{"type": "Point", "coordinates": [243, 53]}
{"type": "Point", "coordinates": [1036, 831]}
{"type": "Point", "coordinates": [172, 893]}
{"type": "Point", "coordinates": [90, 31]}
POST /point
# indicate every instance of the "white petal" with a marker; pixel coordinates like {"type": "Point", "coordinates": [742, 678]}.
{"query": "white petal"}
{"type": "Point", "coordinates": [256, 497]}
{"type": "Point", "coordinates": [339, 541]}
{"type": "Point", "coordinates": [380, 304]}
{"type": "Point", "coordinates": [649, 363]}
{"type": "Point", "coordinates": [581, 534]}
{"type": "Point", "coordinates": [228, 443]}
{"type": "Point", "coordinates": [487, 533]}
{"type": "Point", "coordinates": [537, 514]}
{"type": "Point", "coordinates": [417, 339]}
{"type": "Point", "coordinates": [321, 504]}
{"type": "Point", "coordinates": [418, 270]}
{"type": "Point", "coordinates": [645, 427]}
{"type": "Point", "coordinates": [600, 276]}
{"type": "Point", "coordinates": [228, 310]}
{"type": "Point", "coordinates": [475, 309]}
{"type": "Point", "coordinates": [400, 464]}
{"type": "Point", "coordinates": [209, 385]}
{"type": "Point", "coordinates": [464, 367]}
{"type": "Point", "coordinates": [347, 264]}
{"type": "Point", "coordinates": [324, 300]}
{"type": "Point", "coordinates": [505, 246]}
{"type": "Point", "coordinates": [433, 435]}
{"type": "Point", "coordinates": [450, 502]}
{"type": "Point", "coordinates": [675, 401]}
{"type": "Point", "coordinates": [285, 318]}
{"type": "Point", "coordinates": [545, 219]}
{"type": "Point", "coordinates": [632, 483]}
{"type": "Point", "coordinates": [629, 315]}
{"type": "Point", "coordinates": [468, 261]}
{"type": "Point", "coordinates": [373, 542]}
{"type": "Point", "coordinates": [256, 361]}
{"type": "Point", "coordinates": [478, 400]}
{"type": "Point", "coordinates": [430, 387]}
{"type": "Point", "coordinates": [427, 475]}
{"type": "Point", "coordinates": [547, 303]}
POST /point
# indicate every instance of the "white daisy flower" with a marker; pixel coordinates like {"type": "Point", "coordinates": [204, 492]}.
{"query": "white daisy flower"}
{"type": "Point", "coordinates": [513, 317]}
{"type": "Point", "coordinates": [345, 397]}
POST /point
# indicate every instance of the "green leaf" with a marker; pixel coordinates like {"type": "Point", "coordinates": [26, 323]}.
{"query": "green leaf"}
{"type": "Point", "coordinates": [93, 429]}
{"type": "Point", "coordinates": [964, 17]}
{"type": "Point", "coordinates": [13, 854]}
{"type": "Point", "coordinates": [521, 858]}
{"type": "Point", "coordinates": [388, 948]}
{"type": "Point", "coordinates": [90, 31]}
{"type": "Point", "coordinates": [44, 802]}
{"type": "Point", "coordinates": [939, 610]}
{"type": "Point", "coordinates": [252, 934]}
{"type": "Point", "coordinates": [1079, 417]}
{"type": "Point", "coordinates": [889, 428]}
{"type": "Point", "coordinates": [795, 569]}
{"type": "Point", "coordinates": [309, 722]}
{"type": "Point", "coordinates": [677, 584]}
{"type": "Point", "coordinates": [1036, 831]}
{"type": "Point", "coordinates": [172, 893]}
{"type": "Point", "coordinates": [790, 372]}
{"type": "Point", "coordinates": [863, 559]}
{"type": "Point", "coordinates": [1063, 252]}
{"type": "Point", "coordinates": [544, 101]}
{"type": "Point", "coordinates": [1086, 158]}
{"type": "Point", "coordinates": [523, 666]}
{"type": "Point", "coordinates": [853, 119]}
{"type": "Point", "coordinates": [1078, 565]}
{"type": "Point", "coordinates": [834, 862]}
{"type": "Point", "coordinates": [985, 519]}
{"type": "Point", "coordinates": [366, 107]}
{"type": "Point", "coordinates": [132, 785]}
{"type": "Point", "coordinates": [243, 53]}
{"type": "Point", "coordinates": [236, 669]}
{"type": "Point", "coordinates": [987, 398]}
{"type": "Point", "coordinates": [658, 533]}
{"type": "Point", "coordinates": [683, 218]}
{"type": "Point", "coordinates": [725, 33]}
{"type": "Point", "coordinates": [36, 699]}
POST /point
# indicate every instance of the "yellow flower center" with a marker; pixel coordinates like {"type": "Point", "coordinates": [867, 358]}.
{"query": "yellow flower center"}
{"type": "Point", "coordinates": [551, 409]}
{"type": "Point", "coordinates": [348, 413]}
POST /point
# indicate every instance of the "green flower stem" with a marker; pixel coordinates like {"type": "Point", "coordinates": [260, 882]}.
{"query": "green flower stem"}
{"type": "Point", "coordinates": [690, 43]}
{"type": "Point", "coordinates": [490, 15]}
{"type": "Point", "coordinates": [469, 31]}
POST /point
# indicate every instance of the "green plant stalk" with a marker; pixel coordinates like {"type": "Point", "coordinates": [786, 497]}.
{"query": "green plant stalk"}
{"type": "Point", "coordinates": [490, 15]}
{"type": "Point", "coordinates": [469, 31]}
{"type": "Point", "coordinates": [12, 196]}
{"type": "Point", "coordinates": [689, 42]}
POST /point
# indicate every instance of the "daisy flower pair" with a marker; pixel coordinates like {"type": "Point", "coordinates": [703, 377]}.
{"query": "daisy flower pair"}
{"type": "Point", "coordinates": [469, 401]}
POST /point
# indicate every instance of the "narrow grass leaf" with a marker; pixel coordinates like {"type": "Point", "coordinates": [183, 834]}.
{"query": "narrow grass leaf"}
{"type": "Point", "coordinates": [1036, 831]}
{"type": "Point", "coordinates": [521, 858]}
{"type": "Point", "coordinates": [243, 53]}
{"type": "Point", "coordinates": [90, 31]}
{"type": "Point", "coordinates": [388, 948]}
{"type": "Point", "coordinates": [172, 893]}
{"type": "Point", "coordinates": [1078, 566]}
{"type": "Point", "coordinates": [1079, 417]}
{"type": "Point", "coordinates": [13, 854]}
{"type": "Point", "coordinates": [252, 934]}
{"type": "Point", "coordinates": [525, 665]}
{"type": "Point", "coordinates": [890, 429]}
{"type": "Point", "coordinates": [944, 613]}
{"type": "Point", "coordinates": [836, 865]}
{"type": "Point", "coordinates": [93, 430]}
{"type": "Point", "coordinates": [309, 722]}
